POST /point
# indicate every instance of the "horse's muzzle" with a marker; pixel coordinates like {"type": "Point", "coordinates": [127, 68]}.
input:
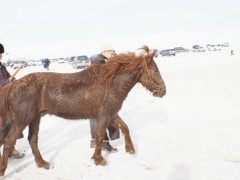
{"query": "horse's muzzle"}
{"type": "Point", "coordinates": [160, 91]}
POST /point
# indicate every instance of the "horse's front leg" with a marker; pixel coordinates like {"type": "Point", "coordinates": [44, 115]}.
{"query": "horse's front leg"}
{"type": "Point", "coordinates": [33, 141]}
{"type": "Point", "coordinates": [100, 132]}
{"type": "Point", "coordinates": [118, 122]}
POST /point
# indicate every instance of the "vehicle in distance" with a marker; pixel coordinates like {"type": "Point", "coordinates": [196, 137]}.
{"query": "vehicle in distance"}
{"type": "Point", "coordinates": [34, 62]}
{"type": "Point", "coordinates": [198, 48]}
{"type": "Point", "coordinates": [80, 62]}
{"type": "Point", "coordinates": [225, 45]}
{"type": "Point", "coordinates": [168, 52]}
{"type": "Point", "coordinates": [180, 49]}
{"type": "Point", "coordinates": [61, 60]}
{"type": "Point", "coordinates": [17, 64]}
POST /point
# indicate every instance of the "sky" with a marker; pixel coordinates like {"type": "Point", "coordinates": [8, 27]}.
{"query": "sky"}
{"type": "Point", "coordinates": [192, 133]}
{"type": "Point", "coordinates": [33, 27]}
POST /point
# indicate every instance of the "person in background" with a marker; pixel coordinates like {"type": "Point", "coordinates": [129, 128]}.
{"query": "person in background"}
{"type": "Point", "coordinates": [5, 78]}
{"type": "Point", "coordinates": [232, 53]}
{"type": "Point", "coordinates": [46, 64]}
{"type": "Point", "coordinates": [107, 51]}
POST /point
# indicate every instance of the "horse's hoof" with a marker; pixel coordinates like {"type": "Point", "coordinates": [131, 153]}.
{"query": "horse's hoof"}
{"type": "Point", "coordinates": [2, 175]}
{"type": "Point", "coordinates": [101, 162]}
{"type": "Point", "coordinates": [44, 164]}
{"type": "Point", "coordinates": [130, 150]}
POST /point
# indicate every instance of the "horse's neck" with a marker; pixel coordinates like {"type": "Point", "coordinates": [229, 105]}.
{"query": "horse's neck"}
{"type": "Point", "coordinates": [85, 77]}
{"type": "Point", "coordinates": [126, 82]}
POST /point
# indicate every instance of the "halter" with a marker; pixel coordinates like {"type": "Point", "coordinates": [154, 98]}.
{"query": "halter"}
{"type": "Point", "coordinates": [146, 69]}
{"type": "Point", "coordinates": [158, 88]}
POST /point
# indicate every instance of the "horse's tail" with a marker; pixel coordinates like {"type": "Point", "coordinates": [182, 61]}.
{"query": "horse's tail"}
{"type": "Point", "coordinates": [4, 92]}
{"type": "Point", "coordinates": [4, 107]}
{"type": "Point", "coordinates": [4, 132]}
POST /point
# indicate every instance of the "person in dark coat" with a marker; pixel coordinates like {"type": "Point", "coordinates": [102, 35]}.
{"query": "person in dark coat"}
{"type": "Point", "coordinates": [46, 64]}
{"type": "Point", "coordinates": [4, 79]}
{"type": "Point", "coordinates": [114, 133]}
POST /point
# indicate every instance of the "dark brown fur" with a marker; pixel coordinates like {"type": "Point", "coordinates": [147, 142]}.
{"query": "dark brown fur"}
{"type": "Point", "coordinates": [96, 92]}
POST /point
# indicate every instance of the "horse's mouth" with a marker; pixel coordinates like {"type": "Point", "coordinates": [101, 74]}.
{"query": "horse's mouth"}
{"type": "Point", "coordinates": [160, 93]}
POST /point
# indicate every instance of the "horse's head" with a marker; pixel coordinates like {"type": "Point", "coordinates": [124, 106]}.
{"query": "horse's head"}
{"type": "Point", "coordinates": [151, 77]}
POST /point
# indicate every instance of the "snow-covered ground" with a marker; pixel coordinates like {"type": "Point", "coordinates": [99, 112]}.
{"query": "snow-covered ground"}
{"type": "Point", "coordinates": [190, 134]}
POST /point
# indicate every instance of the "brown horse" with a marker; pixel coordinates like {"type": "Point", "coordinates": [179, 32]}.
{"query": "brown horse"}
{"type": "Point", "coordinates": [95, 92]}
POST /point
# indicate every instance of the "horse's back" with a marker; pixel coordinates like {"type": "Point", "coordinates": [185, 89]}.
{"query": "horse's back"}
{"type": "Point", "coordinates": [67, 95]}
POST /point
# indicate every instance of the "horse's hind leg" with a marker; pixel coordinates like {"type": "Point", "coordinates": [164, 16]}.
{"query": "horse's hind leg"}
{"type": "Point", "coordinates": [118, 122]}
{"type": "Point", "coordinates": [33, 141]}
{"type": "Point", "coordinates": [8, 146]}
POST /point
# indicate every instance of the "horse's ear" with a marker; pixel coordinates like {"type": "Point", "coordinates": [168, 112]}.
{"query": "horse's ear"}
{"type": "Point", "coordinates": [150, 56]}
{"type": "Point", "coordinates": [145, 49]}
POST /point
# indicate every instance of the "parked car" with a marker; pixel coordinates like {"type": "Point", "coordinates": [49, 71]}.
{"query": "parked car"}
{"type": "Point", "coordinates": [225, 45]}
{"type": "Point", "coordinates": [61, 60]}
{"type": "Point", "coordinates": [34, 63]}
{"type": "Point", "coordinates": [37, 63]}
{"type": "Point", "coordinates": [212, 47]}
{"type": "Point", "coordinates": [180, 49]}
{"type": "Point", "coordinates": [168, 52]}
{"type": "Point", "coordinates": [198, 48]}
{"type": "Point", "coordinates": [16, 64]}
{"type": "Point", "coordinates": [70, 60]}
{"type": "Point", "coordinates": [54, 59]}
{"type": "Point", "coordinates": [80, 62]}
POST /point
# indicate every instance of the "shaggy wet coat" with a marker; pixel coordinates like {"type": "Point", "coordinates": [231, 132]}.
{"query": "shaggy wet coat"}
{"type": "Point", "coordinates": [95, 92]}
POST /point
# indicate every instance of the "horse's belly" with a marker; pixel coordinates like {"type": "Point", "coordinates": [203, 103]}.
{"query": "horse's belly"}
{"type": "Point", "coordinates": [72, 109]}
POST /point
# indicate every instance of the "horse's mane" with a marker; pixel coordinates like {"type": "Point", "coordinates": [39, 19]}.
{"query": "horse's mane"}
{"type": "Point", "coordinates": [120, 64]}
{"type": "Point", "coordinates": [124, 63]}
